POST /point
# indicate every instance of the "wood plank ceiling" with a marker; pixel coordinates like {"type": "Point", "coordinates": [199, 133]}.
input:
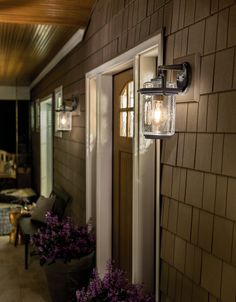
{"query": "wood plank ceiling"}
{"type": "Point", "coordinates": [33, 31]}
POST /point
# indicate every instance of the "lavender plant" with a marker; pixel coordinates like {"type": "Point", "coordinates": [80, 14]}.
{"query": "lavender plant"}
{"type": "Point", "coordinates": [114, 287]}
{"type": "Point", "coordinates": [62, 240]}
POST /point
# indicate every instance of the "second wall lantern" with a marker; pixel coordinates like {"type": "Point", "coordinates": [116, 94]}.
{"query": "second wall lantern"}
{"type": "Point", "coordinates": [159, 100]}
{"type": "Point", "coordinates": [64, 114]}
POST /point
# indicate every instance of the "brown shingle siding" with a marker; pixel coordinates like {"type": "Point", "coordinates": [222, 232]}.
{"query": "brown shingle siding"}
{"type": "Point", "coordinates": [232, 26]}
{"type": "Point", "coordinates": [223, 77]}
{"type": "Point", "coordinates": [202, 113]}
{"type": "Point", "coordinates": [210, 34]}
{"type": "Point", "coordinates": [202, 9]}
{"type": "Point", "coordinates": [222, 29]}
{"type": "Point", "coordinates": [222, 238]}
{"type": "Point", "coordinates": [211, 274]}
{"type": "Point", "coordinates": [184, 221]}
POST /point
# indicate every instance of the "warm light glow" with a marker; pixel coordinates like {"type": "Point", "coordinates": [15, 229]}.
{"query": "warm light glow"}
{"type": "Point", "coordinates": [63, 120]}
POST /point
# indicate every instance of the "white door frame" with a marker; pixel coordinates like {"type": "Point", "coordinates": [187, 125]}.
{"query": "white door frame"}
{"type": "Point", "coordinates": [99, 160]}
{"type": "Point", "coordinates": [47, 99]}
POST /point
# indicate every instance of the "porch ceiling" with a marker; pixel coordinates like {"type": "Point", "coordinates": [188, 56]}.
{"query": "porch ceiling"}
{"type": "Point", "coordinates": [33, 31]}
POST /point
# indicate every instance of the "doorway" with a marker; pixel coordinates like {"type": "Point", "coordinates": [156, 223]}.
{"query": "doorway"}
{"type": "Point", "coordinates": [146, 164]}
{"type": "Point", "coordinates": [123, 125]}
{"type": "Point", "coordinates": [46, 148]}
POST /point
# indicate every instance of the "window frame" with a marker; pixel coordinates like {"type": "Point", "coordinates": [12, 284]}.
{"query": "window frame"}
{"type": "Point", "coordinates": [57, 92]}
{"type": "Point", "coordinates": [37, 115]}
{"type": "Point", "coordinates": [32, 116]}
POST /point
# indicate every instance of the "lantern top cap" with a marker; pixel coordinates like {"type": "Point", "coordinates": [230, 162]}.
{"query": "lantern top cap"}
{"type": "Point", "coordinates": [160, 86]}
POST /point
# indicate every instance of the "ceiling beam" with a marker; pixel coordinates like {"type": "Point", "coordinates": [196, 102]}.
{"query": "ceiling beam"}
{"type": "Point", "coordinates": [8, 93]}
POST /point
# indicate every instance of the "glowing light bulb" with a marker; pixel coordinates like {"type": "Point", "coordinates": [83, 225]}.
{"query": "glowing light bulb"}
{"type": "Point", "coordinates": [63, 120]}
{"type": "Point", "coordinates": [157, 112]}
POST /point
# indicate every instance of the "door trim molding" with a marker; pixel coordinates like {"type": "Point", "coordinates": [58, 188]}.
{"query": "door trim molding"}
{"type": "Point", "coordinates": [46, 99]}
{"type": "Point", "coordinates": [99, 156]}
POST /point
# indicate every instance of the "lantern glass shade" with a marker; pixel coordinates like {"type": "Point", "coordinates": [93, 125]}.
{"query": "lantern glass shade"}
{"type": "Point", "coordinates": [159, 114]}
{"type": "Point", "coordinates": [64, 121]}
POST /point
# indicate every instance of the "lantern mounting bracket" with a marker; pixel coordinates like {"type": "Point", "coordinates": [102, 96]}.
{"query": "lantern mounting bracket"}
{"type": "Point", "coordinates": [183, 80]}
{"type": "Point", "coordinates": [74, 102]}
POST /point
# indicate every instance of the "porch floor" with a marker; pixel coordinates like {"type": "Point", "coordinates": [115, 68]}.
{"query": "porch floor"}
{"type": "Point", "coordinates": [17, 284]}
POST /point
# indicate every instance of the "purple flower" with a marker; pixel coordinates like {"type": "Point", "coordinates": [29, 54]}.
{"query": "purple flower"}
{"type": "Point", "coordinates": [62, 239]}
{"type": "Point", "coordinates": [114, 287]}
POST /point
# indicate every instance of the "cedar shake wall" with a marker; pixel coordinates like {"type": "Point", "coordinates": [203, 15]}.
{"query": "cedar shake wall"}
{"type": "Point", "coordinates": [198, 208]}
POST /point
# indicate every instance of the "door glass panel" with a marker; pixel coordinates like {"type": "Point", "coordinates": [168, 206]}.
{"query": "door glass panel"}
{"type": "Point", "coordinates": [126, 110]}
{"type": "Point", "coordinates": [123, 99]}
{"type": "Point", "coordinates": [130, 124]}
{"type": "Point", "coordinates": [123, 123]}
{"type": "Point", "coordinates": [131, 94]}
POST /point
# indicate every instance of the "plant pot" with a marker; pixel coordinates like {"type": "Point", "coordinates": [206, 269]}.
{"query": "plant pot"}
{"type": "Point", "coordinates": [65, 278]}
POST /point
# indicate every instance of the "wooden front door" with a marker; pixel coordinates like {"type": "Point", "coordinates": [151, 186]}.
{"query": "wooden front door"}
{"type": "Point", "coordinates": [122, 169]}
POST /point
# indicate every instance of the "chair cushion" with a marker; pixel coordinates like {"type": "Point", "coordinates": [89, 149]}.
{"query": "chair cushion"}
{"type": "Point", "coordinates": [43, 205]}
{"type": "Point", "coordinates": [61, 201]}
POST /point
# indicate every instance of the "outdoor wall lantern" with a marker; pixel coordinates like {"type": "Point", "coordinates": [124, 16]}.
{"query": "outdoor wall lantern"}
{"type": "Point", "coordinates": [159, 100]}
{"type": "Point", "coordinates": [65, 114]}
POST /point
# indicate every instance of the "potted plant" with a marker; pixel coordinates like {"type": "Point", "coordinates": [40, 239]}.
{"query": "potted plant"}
{"type": "Point", "coordinates": [113, 287]}
{"type": "Point", "coordinates": [68, 250]}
